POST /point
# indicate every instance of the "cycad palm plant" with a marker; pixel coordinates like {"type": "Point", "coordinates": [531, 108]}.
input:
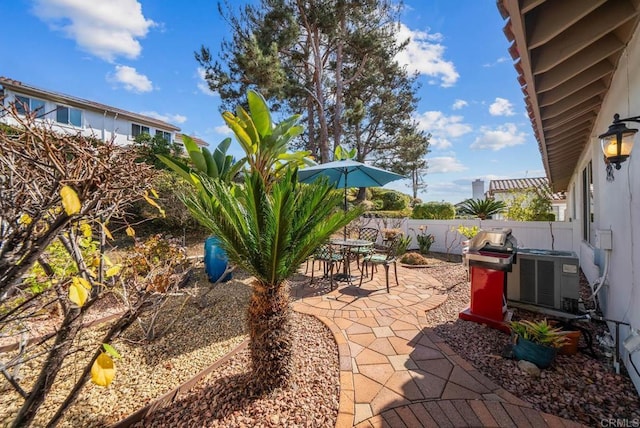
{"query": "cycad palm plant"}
{"type": "Point", "coordinates": [268, 227]}
{"type": "Point", "coordinates": [269, 233]}
{"type": "Point", "coordinates": [481, 208]}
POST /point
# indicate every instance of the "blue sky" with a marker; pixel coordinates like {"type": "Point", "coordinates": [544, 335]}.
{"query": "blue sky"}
{"type": "Point", "coordinates": [138, 55]}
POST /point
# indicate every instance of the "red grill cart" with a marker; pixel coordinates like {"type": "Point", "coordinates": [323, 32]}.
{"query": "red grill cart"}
{"type": "Point", "coordinates": [489, 256]}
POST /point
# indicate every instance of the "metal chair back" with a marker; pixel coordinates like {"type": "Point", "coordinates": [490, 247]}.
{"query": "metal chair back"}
{"type": "Point", "coordinates": [369, 234]}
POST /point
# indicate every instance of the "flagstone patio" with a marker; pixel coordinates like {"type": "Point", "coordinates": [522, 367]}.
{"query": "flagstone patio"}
{"type": "Point", "coordinates": [396, 372]}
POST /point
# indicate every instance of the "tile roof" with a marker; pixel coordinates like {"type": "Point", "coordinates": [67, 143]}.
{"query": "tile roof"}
{"type": "Point", "coordinates": [198, 141]}
{"type": "Point", "coordinates": [515, 184]}
{"type": "Point", "coordinates": [23, 88]}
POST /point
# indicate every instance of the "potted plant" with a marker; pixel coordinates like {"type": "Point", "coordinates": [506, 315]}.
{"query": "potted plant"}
{"type": "Point", "coordinates": [536, 341]}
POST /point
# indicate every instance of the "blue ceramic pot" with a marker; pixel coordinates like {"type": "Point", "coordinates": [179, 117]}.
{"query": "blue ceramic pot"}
{"type": "Point", "coordinates": [215, 260]}
{"type": "Point", "coordinates": [540, 355]}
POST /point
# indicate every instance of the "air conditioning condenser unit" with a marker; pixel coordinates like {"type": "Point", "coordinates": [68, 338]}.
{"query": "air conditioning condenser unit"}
{"type": "Point", "coordinates": [545, 278]}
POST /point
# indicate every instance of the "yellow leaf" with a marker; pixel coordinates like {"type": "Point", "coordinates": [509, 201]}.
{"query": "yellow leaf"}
{"type": "Point", "coordinates": [106, 231]}
{"type": "Point", "coordinates": [154, 193]}
{"type": "Point", "coordinates": [113, 271]}
{"type": "Point", "coordinates": [85, 228]}
{"type": "Point", "coordinates": [78, 280]}
{"type": "Point", "coordinates": [108, 261]}
{"type": "Point", "coordinates": [102, 370]}
{"type": "Point", "coordinates": [95, 262]}
{"type": "Point", "coordinates": [70, 200]}
{"type": "Point", "coordinates": [25, 219]}
{"type": "Point", "coordinates": [153, 203]}
{"type": "Point", "coordinates": [78, 294]}
{"type": "Point", "coordinates": [130, 231]}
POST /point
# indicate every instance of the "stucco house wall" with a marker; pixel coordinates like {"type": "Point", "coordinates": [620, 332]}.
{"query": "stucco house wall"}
{"type": "Point", "coordinates": [97, 120]}
{"type": "Point", "coordinates": [616, 206]}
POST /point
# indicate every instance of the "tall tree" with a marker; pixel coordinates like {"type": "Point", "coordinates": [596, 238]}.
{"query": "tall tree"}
{"type": "Point", "coordinates": [323, 57]}
{"type": "Point", "coordinates": [407, 157]}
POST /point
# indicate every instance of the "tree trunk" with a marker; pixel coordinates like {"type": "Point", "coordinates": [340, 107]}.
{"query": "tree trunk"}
{"type": "Point", "coordinates": [270, 336]}
{"type": "Point", "coordinates": [337, 114]}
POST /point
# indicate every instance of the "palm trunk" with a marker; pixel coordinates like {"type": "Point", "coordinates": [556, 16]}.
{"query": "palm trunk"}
{"type": "Point", "coordinates": [270, 336]}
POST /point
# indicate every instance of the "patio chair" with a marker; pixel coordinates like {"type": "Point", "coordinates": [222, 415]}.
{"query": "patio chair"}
{"type": "Point", "coordinates": [329, 258]}
{"type": "Point", "coordinates": [385, 259]}
{"type": "Point", "coordinates": [368, 234]}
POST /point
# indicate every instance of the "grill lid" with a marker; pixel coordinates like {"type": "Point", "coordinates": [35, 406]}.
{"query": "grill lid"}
{"type": "Point", "coordinates": [495, 239]}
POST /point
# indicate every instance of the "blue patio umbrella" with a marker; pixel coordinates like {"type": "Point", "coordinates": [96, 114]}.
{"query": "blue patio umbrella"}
{"type": "Point", "coordinates": [348, 173]}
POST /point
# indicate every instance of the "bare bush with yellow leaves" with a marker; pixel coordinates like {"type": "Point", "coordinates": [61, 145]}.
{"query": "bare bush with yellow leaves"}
{"type": "Point", "coordinates": [62, 189]}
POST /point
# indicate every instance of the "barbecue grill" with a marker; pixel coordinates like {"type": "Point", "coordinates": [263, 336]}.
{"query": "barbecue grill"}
{"type": "Point", "coordinates": [489, 256]}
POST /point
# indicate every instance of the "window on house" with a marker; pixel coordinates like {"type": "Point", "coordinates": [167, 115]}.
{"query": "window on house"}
{"type": "Point", "coordinates": [69, 116]}
{"type": "Point", "coordinates": [138, 129]}
{"type": "Point", "coordinates": [587, 203]}
{"type": "Point", "coordinates": [165, 135]}
{"type": "Point", "coordinates": [26, 105]}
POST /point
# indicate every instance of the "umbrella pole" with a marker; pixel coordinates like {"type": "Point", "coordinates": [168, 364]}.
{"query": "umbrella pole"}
{"type": "Point", "coordinates": [346, 174]}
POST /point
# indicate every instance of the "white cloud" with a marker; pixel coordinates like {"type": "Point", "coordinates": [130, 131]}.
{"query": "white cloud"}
{"type": "Point", "coordinates": [130, 79]}
{"type": "Point", "coordinates": [499, 138]}
{"type": "Point", "coordinates": [223, 130]}
{"type": "Point", "coordinates": [458, 104]}
{"type": "Point", "coordinates": [425, 55]}
{"type": "Point", "coordinates": [106, 29]}
{"type": "Point", "coordinates": [501, 107]}
{"type": "Point", "coordinates": [498, 61]}
{"type": "Point", "coordinates": [444, 164]}
{"type": "Point", "coordinates": [203, 86]}
{"type": "Point", "coordinates": [170, 118]}
{"type": "Point", "coordinates": [442, 127]}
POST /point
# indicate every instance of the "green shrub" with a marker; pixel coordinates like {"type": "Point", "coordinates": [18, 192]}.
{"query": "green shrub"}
{"type": "Point", "coordinates": [378, 204]}
{"type": "Point", "coordinates": [404, 243]}
{"type": "Point", "coordinates": [545, 217]}
{"type": "Point", "coordinates": [169, 187]}
{"type": "Point", "coordinates": [393, 201]}
{"type": "Point", "coordinates": [391, 214]}
{"type": "Point", "coordinates": [434, 211]}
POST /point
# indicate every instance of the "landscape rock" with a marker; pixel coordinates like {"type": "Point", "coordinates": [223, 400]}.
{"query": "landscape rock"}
{"type": "Point", "coordinates": [529, 368]}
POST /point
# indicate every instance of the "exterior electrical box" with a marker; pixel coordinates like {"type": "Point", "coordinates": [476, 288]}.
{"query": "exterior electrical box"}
{"type": "Point", "coordinates": [604, 239]}
{"type": "Point", "coordinates": [545, 278]}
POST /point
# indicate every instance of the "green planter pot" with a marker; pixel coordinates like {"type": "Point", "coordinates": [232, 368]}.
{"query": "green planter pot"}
{"type": "Point", "coordinates": [540, 355]}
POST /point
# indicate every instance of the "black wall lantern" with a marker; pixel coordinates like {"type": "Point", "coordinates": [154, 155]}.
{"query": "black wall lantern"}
{"type": "Point", "coordinates": [617, 142]}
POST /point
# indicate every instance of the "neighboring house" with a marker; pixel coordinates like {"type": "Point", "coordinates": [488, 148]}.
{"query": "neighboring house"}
{"type": "Point", "coordinates": [69, 114]}
{"type": "Point", "coordinates": [579, 64]}
{"type": "Point", "coordinates": [198, 141]}
{"type": "Point", "coordinates": [504, 190]}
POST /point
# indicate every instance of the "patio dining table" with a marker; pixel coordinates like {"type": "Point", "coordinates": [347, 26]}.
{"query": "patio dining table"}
{"type": "Point", "coordinates": [346, 245]}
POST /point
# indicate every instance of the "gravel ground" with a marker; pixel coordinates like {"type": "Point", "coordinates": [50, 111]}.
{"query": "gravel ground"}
{"type": "Point", "coordinates": [211, 324]}
{"type": "Point", "coordinates": [577, 387]}
{"type": "Point", "coordinates": [226, 399]}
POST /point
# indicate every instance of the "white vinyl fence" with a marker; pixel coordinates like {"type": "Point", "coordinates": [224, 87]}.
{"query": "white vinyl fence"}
{"type": "Point", "coordinates": [529, 234]}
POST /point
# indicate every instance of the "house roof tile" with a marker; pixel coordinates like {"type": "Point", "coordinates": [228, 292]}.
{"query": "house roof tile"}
{"type": "Point", "coordinates": [516, 184]}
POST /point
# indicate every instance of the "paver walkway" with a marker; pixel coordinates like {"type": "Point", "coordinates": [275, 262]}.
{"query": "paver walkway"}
{"type": "Point", "coordinates": [395, 372]}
